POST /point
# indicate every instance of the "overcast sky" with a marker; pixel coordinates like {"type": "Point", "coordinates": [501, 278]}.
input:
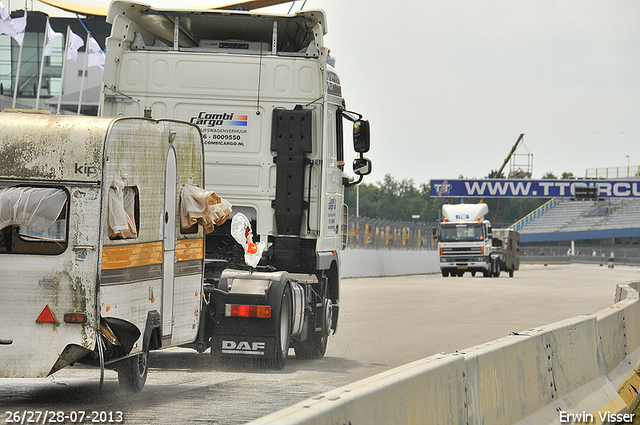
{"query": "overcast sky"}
{"type": "Point", "coordinates": [450, 85]}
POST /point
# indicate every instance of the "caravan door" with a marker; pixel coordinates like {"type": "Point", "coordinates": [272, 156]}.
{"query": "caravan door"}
{"type": "Point", "coordinates": [169, 242]}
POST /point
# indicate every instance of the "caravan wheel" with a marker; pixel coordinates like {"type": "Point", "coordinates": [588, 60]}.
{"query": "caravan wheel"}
{"type": "Point", "coordinates": [132, 372]}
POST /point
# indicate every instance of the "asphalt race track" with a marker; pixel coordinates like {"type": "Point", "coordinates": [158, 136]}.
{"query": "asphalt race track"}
{"type": "Point", "coordinates": [384, 322]}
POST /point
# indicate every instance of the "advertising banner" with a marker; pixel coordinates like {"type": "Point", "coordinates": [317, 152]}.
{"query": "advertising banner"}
{"type": "Point", "coordinates": [525, 188]}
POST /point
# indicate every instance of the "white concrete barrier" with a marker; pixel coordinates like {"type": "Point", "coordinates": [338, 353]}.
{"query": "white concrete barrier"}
{"type": "Point", "coordinates": [584, 369]}
{"type": "Point", "coordinates": [430, 391]}
{"type": "Point", "coordinates": [513, 377]}
{"type": "Point", "coordinates": [372, 263]}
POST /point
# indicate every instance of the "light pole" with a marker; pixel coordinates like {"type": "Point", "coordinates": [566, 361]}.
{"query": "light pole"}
{"type": "Point", "coordinates": [628, 166]}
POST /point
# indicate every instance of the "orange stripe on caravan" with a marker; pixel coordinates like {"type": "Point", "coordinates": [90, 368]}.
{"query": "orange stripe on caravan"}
{"type": "Point", "coordinates": [134, 255]}
{"type": "Point", "coordinates": [189, 249]}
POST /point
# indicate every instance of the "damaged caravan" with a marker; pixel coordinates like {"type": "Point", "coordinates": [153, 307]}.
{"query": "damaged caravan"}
{"type": "Point", "coordinates": [101, 262]}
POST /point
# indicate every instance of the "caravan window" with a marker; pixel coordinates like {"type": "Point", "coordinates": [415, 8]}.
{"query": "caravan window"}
{"type": "Point", "coordinates": [124, 211]}
{"type": "Point", "coordinates": [33, 220]}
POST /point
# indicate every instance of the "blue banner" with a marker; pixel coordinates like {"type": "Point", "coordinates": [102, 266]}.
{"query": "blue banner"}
{"type": "Point", "coordinates": [525, 188]}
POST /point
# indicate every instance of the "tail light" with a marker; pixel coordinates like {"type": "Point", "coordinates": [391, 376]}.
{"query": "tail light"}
{"type": "Point", "coordinates": [240, 310]}
{"type": "Point", "coordinates": [75, 318]}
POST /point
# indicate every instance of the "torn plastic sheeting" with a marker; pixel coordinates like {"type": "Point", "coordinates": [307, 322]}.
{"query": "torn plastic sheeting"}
{"type": "Point", "coordinates": [241, 232]}
{"type": "Point", "coordinates": [35, 207]}
{"type": "Point", "coordinates": [203, 207]}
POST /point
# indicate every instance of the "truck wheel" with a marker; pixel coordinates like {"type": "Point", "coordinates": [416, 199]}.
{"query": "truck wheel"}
{"type": "Point", "coordinates": [445, 273]}
{"type": "Point", "coordinates": [132, 372]}
{"type": "Point", "coordinates": [312, 348]}
{"type": "Point", "coordinates": [511, 271]}
{"type": "Point", "coordinates": [315, 346]}
{"type": "Point", "coordinates": [497, 269]}
{"type": "Point", "coordinates": [283, 330]}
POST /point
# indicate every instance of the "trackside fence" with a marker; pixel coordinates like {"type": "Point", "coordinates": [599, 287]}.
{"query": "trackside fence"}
{"type": "Point", "coordinates": [584, 369]}
{"type": "Point", "coordinates": [377, 234]}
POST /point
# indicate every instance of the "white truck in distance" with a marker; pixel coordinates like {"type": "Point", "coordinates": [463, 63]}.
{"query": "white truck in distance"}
{"type": "Point", "coordinates": [269, 105]}
{"type": "Point", "coordinates": [467, 243]}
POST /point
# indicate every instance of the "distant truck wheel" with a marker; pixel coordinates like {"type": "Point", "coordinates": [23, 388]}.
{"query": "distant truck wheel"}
{"type": "Point", "coordinates": [132, 372]}
{"type": "Point", "coordinates": [445, 273]}
{"type": "Point", "coordinates": [496, 269]}
{"type": "Point", "coordinates": [511, 271]}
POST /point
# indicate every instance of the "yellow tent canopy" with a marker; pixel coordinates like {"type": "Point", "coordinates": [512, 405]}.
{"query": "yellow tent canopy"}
{"type": "Point", "coordinates": [102, 11]}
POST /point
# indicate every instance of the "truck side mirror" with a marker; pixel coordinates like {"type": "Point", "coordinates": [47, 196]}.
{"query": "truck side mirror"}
{"type": "Point", "coordinates": [361, 140]}
{"type": "Point", "coordinates": [362, 166]}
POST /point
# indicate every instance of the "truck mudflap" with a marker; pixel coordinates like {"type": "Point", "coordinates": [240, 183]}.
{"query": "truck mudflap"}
{"type": "Point", "coordinates": [244, 346]}
{"type": "Point", "coordinates": [253, 315]}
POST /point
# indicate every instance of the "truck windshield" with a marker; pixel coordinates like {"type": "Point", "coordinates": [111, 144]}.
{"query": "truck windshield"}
{"type": "Point", "coordinates": [461, 232]}
{"type": "Point", "coordinates": [33, 220]}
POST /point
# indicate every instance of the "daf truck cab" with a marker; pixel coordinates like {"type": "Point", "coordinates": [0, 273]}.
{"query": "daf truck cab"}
{"type": "Point", "coordinates": [468, 243]}
{"type": "Point", "coordinates": [269, 103]}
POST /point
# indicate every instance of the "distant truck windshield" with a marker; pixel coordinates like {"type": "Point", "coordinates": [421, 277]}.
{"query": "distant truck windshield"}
{"type": "Point", "coordinates": [462, 232]}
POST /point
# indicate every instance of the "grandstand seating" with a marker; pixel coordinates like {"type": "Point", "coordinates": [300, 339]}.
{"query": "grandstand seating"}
{"type": "Point", "coordinates": [568, 216]}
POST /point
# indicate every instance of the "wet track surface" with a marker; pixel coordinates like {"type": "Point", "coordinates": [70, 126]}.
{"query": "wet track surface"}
{"type": "Point", "coordinates": [384, 322]}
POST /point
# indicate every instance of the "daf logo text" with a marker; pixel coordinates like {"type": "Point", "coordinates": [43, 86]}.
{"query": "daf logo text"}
{"type": "Point", "coordinates": [243, 347]}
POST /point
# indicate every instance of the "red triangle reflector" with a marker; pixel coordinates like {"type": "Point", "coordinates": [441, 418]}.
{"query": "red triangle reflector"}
{"type": "Point", "coordinates": [46, 316]}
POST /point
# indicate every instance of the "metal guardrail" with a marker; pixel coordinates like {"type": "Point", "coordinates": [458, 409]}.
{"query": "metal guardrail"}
{"type": "Point", "coordinates": [580, 259]}
{"type": "Point", "coordinates": [370, 233]}
{"type": "Point", "coordinates": [613, 172]}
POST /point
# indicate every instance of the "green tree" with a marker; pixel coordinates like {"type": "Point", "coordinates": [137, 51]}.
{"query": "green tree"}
{"type": "Point", "coordinates": [369, 199]}
{"type": "Point", "coordinates": [494, 175]}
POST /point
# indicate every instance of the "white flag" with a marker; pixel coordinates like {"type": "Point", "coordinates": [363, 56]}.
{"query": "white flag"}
{"type": "Point", "coordinates": [73, 44]}
{"type": "Point", "coordinates": [51, 37]}
{"type": "Point", "coordinates": [6, 25]}
{"type": "Point", "coordinates": [3, 11]}
{"type": "Point", "coordinates": [96, 55]}
{"type": "Point", "coordinates": [19, 25]}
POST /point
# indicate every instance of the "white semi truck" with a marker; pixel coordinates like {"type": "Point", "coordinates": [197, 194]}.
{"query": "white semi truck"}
{"type": "Point", "coordinates": [269, 104]}
{"type": "Point", "coordinates": [467, 243]}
